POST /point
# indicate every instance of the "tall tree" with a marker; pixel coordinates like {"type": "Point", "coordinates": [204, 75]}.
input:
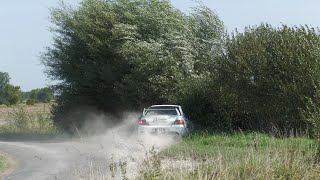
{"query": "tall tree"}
{"type": "Point", "coordinates": [4, 81]}
{"type": "Point", "coordinates": [13, 94]}
{"type": "Point", "coordinates": [9, 94]}
{"type": "Point", "coordinates": [114, 55]}
{"type": "Point", "coordinates": [272, 74]}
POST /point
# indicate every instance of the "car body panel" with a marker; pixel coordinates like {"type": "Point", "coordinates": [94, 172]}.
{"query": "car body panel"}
{"type": "Point", "coordinates": [161, 119]}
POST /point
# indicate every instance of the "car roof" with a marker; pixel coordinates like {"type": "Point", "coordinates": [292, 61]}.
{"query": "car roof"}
{"type": "Point", "coordinates": [164, 105]}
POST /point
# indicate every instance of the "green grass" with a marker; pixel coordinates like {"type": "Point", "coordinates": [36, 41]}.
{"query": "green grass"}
{"type": "Point", "coordinates": [236, 156]}
{"type": "Point", "coordinates": [201, 144]}
{"type": "Point", "coordinates": [4, 165]}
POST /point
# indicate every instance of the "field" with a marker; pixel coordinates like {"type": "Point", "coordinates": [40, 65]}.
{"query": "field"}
{"type": "Point", "coordinates": [22, 119]}
{"type": "Point", "coordinates": [5, 112]}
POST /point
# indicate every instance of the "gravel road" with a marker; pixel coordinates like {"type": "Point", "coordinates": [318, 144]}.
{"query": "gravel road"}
{"type": "Point", "coordinates": [48, 160]}
{"type": "Point", "coordinates": [74, 159]}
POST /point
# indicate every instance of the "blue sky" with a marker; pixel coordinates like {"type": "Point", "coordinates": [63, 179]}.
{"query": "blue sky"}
{"type": "Point", "coordinates": [24, 30]}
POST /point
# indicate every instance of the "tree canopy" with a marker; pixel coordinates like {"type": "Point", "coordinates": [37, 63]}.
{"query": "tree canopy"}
{"type": "Point", "coordinates": [43, 95]}
{"type": "Point", "coordinates": [124, 54]}
{"type": "Point", "coordinates": [272, 75]}
{"type": "Point", "coordinates": [9, 94]}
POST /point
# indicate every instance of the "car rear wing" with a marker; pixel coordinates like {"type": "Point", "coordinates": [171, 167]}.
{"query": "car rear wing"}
{"type": "Point", "coordinates": [145, 110]}
{"type": "Point", "coordinates": [180, 109]}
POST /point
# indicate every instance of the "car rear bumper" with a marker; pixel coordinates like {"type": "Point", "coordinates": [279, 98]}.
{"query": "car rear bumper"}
{"type": "Point", "coordinates": [177, 129]}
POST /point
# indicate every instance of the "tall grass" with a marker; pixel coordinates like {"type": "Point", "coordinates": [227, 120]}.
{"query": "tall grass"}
{"type": "Point", "coordinates": [204, 156]}
{"type": "Point", "coordinates": [237, 156]}
{"type": "Point", "coordinates": [24, 122]}
{"type": "Point", "coordinates": [3, 164]}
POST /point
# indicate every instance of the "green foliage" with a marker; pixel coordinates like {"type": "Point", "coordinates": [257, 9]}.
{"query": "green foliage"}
{"type": "Point", "coordinates": [151, 167]}
{"type": "Point", "coordinates": [9, 94]}
{"type": "Point", "coordinates": [30, 101]}
{"type": "Point", "coordinates": [4, 164]}
{"type": "Point", "coordinates": [237, 144]}
{"type": "Point", "coordinates": [4, 80]}
{"type": "Point", "coordinates": [116, 55]}
{"type": "Point", "coordinates": [125, 54]}
{"type": "Point", "coordinates": [206, 105]}
{"type": "Point", "coordinates": [12, 94]}
{"type": "Point", "coordinates": [236, 156]}
{"type": "Point", "coordinates": [271, 74]}
{"type": "Point", "coordinates": [43, 95]}
{"type": "Point", "coordinates": [39, 95]}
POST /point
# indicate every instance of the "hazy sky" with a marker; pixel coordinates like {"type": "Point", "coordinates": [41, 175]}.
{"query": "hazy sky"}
{"type": "Point", "coordinates": [24, 28]}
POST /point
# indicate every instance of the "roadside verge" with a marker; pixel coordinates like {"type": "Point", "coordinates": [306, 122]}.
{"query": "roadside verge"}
{"type": "Point", "coordinates": [6, 164]}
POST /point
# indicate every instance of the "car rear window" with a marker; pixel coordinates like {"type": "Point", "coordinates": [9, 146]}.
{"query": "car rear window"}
{"type": "Point", "coordinates": [153, 112]}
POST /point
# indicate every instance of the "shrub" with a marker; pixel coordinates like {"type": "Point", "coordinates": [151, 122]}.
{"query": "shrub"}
{"type": "Point", "coordinates": [30, 102]}
{"type": "Point", "coordinates": [271, 75]}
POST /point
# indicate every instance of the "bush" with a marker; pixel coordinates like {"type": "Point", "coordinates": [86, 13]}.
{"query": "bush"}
{"type": "Point", "coordinates": [205, 105]}
{"type": "Point", "coordinates": [30, 102]}
{"type": "Point", "coordinates": [271, 75]}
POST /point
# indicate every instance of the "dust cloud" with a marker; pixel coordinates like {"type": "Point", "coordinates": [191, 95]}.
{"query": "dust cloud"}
{"type": "Point", "coordinates": [117, 152]}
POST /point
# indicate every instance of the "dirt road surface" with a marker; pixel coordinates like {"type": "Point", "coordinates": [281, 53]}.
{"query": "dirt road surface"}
{"type": "Point", "coordinates": [50, 160]}
{"type": "Point", "coordinates": [65, 159]}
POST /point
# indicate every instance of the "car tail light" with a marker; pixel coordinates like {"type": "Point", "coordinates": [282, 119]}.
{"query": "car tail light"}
{"type": "Point", "coordinates": [179, 122]}
{"type": "Point", "coordinates": [143, 122]}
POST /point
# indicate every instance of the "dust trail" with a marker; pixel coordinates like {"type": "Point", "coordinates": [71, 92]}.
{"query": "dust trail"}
{"type": "Point", "coordinates": [116, 153]}
{"type": "Point", "coordinates": [119, 145]}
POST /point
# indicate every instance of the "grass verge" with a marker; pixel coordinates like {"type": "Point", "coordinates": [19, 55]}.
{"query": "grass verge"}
{"type": "Point", "coordinates": [4, 164]}
{"type": "Point", "coordinates": [235, 156]}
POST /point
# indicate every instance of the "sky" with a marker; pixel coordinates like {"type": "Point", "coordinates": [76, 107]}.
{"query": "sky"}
{"type": "Point", "coordinates": [24, 28]}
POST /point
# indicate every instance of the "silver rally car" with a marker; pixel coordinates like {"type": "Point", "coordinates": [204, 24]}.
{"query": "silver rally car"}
{"type": "Point", "coordinates": [164, 119]}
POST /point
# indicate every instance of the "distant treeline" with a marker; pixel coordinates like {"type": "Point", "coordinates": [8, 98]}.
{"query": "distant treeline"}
{"type": "Point", "coordinates": [128, 54]}
{"type": "Point", "coordinates": [11, 95]}
{"type": "Point", "coordinates": [43, 95]}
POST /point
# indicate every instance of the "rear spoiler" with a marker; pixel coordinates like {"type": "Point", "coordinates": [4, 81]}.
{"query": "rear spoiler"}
{"type": "Point", "coordinates": [145, 110]}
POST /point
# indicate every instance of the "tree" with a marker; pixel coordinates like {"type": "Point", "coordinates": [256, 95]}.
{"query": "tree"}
{"type": "Point", "coordinates": [124, 54]}
{"type": "Point", "coordinates": [4, 81]}
{"type": "Point", "coordinates": [33, 94]}
{"type": "Point", "coordinates": [271, 75]}
{"type": "Point", "coordinates": [9, 94]}
{"type": "Point", "coordinates": [43, 95]}
{"type": "Point", "coordinates": [30, 102]}
{"type": "Point", "coordinates": [12, 94]}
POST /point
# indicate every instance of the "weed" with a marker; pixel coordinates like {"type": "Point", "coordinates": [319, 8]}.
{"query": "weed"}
{"type": "Point", "coordinates": [3, 163]}
{"type": "Point", "coordinates": [151, 166]}
{"type": "Point", "coordinates": [236, 156]}
{"type": "Point", "coordinates": [113, 168]}
{"type": "Point", "coordinates": [23, 122]}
